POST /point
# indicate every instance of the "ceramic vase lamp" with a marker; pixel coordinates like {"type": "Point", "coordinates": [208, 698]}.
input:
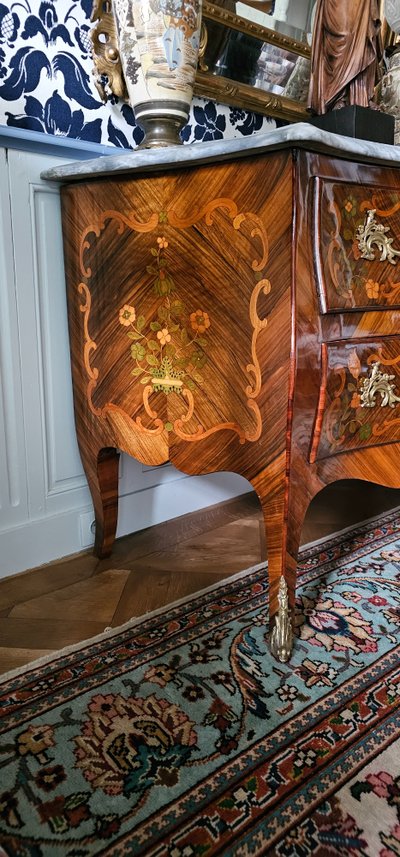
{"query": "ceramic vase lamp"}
{"type": "Point", "coordinates": [158, 49]}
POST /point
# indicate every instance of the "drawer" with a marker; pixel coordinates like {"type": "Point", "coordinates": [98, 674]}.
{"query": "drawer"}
{"type": "Point", "coordinates": [356, 245]}
{"type": "Point", "coordinates": [359, 402]}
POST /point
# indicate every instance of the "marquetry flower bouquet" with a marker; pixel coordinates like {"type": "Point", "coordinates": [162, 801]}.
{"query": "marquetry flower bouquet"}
{"type": "Point", "coordinates": [348, 419]}
{"type": "Point", "coordinates": [169, 349]}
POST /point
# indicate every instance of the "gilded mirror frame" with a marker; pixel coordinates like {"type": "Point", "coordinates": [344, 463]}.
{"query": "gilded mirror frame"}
{"type": "Point", "coordinates": [227, 91]}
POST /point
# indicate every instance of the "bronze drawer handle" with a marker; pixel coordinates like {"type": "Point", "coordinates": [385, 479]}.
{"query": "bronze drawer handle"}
{"type": "Point", "coordinates": [378, 382]}
{"type": "Point", "coordinates": [371, 233]}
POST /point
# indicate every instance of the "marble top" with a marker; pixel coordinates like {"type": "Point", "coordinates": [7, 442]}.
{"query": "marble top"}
{"type": "Point", "coordinates": [300, 135]}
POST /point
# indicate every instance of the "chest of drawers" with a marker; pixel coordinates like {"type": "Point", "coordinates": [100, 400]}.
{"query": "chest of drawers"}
{"type": "Point", "coordinates": [239, 315]}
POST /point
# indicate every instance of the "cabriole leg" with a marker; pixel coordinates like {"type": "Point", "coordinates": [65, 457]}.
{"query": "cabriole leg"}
{"type": "Point", "coordinates": [283, 513]}
{"type": "Point", "coordinates": [101, 469]}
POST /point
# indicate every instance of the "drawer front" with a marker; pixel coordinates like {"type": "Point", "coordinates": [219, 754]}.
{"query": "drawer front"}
{"type": "Point", "coordinates": [359, 403]}
{"type": "Point", "coordinates": [356, 245]}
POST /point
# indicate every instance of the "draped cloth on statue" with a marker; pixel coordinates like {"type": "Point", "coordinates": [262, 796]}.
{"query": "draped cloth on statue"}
{"type": "Point", "coordinates": [345, 53]}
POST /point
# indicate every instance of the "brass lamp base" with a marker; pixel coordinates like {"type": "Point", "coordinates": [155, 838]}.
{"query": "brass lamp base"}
{"type": "Point", "coordinates": [160, 131]}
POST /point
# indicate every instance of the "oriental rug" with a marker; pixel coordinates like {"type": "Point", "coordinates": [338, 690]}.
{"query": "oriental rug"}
{"type": "Point", "coordinates": [180, 735]}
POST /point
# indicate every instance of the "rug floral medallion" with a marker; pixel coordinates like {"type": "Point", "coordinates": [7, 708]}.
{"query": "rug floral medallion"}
{"type": "Point", "coordinates": [180, 735]}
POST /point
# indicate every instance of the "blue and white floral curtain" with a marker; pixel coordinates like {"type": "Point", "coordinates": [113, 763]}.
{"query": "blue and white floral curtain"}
{"type": "Point", "coordinates": [46, 82]}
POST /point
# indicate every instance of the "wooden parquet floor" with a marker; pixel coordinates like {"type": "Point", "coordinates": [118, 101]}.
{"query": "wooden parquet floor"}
{"type": "Point", "coordinates": [53, 606]}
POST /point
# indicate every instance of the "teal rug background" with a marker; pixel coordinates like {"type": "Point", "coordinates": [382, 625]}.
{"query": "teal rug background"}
{"type": "Point", "coordinates": [180, 735]}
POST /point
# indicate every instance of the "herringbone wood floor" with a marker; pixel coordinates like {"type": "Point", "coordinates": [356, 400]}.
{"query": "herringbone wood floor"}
{"type": "Point", "coordinates": [67, 601]}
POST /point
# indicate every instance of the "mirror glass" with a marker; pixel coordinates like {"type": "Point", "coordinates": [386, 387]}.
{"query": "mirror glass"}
{"type": "Point", "coordinates": [265, 65]}
{"type": "Point", "coordinates": [290, 17]}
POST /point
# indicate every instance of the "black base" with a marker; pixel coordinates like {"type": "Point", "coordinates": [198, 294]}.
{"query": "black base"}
{"type": "Point", "coordinates": [355, 121]}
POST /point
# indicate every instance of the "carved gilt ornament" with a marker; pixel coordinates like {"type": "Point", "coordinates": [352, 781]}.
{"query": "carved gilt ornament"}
{"type": "Point", "coordinates": [105, 52]}
{"type": "Point", "coordinates": [373, 233]}
{"type": "Point", "coordinates": [378, 382]}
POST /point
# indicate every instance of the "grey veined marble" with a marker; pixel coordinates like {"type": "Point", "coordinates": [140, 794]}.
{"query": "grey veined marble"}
{"type": "Point", "coordinates": [301, 135]}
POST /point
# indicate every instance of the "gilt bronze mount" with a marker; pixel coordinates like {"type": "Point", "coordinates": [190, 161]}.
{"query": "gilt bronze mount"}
{"type": "Point", "coordinates": [378, 382]}
{"type": "Point", "coordinates": [371, 232]}
{"type": "Point", "coordinates": [282, 634]}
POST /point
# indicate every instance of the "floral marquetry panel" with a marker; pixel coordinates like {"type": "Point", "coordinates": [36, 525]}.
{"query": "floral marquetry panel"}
{"type": "Point", "coordinates": [171, 299]}
{"type": "Point", "coordinates": [360, 397]}
{"type": "Point", "coordinates": [356, 245]}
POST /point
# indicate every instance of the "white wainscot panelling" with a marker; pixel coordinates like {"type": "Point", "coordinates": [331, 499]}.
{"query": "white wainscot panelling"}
{"type": "Point", "coordinates": [13, 485]}
{"type": "Point", "coordinates": [46, 510]}
{"type": "Point", "coordinates": [164, 492]}
{"type": "Point", "coordinates": [63, 469]}
{"type": "Point", "coordinates": [46, 449]}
